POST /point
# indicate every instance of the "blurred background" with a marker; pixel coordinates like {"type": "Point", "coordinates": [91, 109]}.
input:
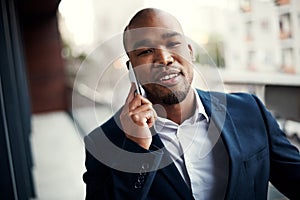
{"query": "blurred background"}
{"type": "Point", "coordinates": [63, 60]}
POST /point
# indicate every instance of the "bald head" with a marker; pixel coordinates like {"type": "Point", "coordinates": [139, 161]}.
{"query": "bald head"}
{"type": "Point", "coordinates": [151, 18]}
{"type": "Point", "coordinates": [148, 16]}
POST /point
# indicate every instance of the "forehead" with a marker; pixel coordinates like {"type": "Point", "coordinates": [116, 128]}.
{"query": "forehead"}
{"type": "Point", "coordinates": [149, 36]}
{"type": "Point", "coordinates": [154, 27]}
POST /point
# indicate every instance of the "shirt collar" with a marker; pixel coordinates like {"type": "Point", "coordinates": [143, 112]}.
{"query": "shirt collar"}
{"type": "Point", "coordinates": [199, 108]}
{"type": "Point", "coordinates": [161, 122]}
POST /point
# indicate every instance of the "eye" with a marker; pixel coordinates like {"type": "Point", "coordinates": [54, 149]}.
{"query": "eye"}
{"type": "Point", "coordinates": [145, 52]}
{"type": "Point", "coordinates": [173, 44]}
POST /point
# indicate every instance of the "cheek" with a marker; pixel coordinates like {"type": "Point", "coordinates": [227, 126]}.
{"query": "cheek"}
{"type": "Point", "coordinates": [191, 75]}
{"type": "Point", "coordinates": [142, 74]}
{"type": "Point", "coordinates": [185, 54]}
{"type": "Point", "coordinates": [189, 72]}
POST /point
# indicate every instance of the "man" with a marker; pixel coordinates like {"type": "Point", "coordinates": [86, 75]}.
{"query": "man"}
{"type": "Point", "coordinates": [181, 143]}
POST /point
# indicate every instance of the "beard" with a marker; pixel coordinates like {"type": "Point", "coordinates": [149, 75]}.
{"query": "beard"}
{"type": "Point", "coordinates": [174, 97]}
{"type": "Point", "coordinates": [168, 96]}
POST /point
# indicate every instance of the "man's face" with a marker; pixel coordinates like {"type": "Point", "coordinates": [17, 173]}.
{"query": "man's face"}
{"type": "Point", "coordinates": [162, 59]}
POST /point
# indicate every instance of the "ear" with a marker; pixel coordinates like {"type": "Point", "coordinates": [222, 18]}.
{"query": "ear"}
{"type": "Point", "coordinates": [191, 52]}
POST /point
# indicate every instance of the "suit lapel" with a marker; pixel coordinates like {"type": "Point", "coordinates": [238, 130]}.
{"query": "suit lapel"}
{"type": "Point", "coordinates": [170, 172]}
{"type": "Point", "coordinates": [220, 118]}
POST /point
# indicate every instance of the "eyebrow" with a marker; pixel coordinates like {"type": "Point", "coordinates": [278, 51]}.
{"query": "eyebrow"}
{"type": "Point", "coordinates": [141, 43]}
{"type": "Point", "coordinates": [171, 34]}
{"type": "Point", "coordinates": [147, 42]}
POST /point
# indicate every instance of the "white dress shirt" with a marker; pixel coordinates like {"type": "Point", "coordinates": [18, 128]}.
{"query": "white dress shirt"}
{"type": "Point", "coordinates": [200, 158]}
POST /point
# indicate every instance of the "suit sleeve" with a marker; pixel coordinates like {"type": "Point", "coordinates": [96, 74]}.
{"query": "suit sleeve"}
{"type": "Point", "coordinates": [115, 173]}
{"type": "Point", "coordinates": [284, 158]}
{"type": "Point", "coordinates": [97, 180]}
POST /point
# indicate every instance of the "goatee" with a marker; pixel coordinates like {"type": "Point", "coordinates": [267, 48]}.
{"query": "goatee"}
{"type": "Point", "coordinates": [174, 97]}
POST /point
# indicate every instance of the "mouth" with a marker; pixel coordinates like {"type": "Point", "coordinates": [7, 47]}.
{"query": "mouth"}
{"type": "Point", "coordinates": [169, 78]}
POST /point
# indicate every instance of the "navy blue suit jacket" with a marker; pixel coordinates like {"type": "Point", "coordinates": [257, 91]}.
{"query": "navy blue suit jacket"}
{"type": "Point", "coordinates": [258, 153]}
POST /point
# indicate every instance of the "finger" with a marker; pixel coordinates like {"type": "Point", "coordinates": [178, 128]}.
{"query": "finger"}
{"type": "Point", "coordinates": [142, 108]}
{"type": "Point", "coordinates": [139, 120]}
{"type": "Point", "coordinates": [129, 98]}
{"type": "Point", "coordinates": [138, 101]}
{"type": "Point", "coordinates": [151, 120]}
{"type": "Point", "coordinates": [145, 100]}
{"type": "Point", "coordinates": [145, 118]}
{"type": "Point", "coordinates": [131, 93]}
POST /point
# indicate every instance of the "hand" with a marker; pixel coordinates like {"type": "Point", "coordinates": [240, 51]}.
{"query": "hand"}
{"type": "Point", "coordinates": [137, 117]}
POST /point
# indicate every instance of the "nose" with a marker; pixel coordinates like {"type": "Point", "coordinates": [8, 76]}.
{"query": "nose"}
{"type": "Point", "coordinates": [163, 57]}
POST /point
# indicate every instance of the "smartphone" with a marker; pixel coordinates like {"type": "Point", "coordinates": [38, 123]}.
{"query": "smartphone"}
{"type": "Point", "coordinates": [133, 79]}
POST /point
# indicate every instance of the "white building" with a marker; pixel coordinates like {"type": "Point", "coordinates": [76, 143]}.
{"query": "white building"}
{"type": "Point", "coordinates": [264, 36]}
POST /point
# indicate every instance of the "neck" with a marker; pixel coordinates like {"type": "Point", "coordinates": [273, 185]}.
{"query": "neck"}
{"type": "Point", "coordinates": [181, 111]}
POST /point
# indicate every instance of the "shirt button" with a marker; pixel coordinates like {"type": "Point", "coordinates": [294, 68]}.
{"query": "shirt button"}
{"type": "Point", "coordinates": [145, 166]}
{"type": "Point", "coordinates": [143, 172]}
{"type": "Point", "coordinates": [137, 185]}
{"type": "Point", "coordinates": [141, 179]}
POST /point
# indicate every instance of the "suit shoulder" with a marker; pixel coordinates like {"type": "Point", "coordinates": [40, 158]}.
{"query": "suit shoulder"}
{"type": "Point", "coordinates": [236, 96]}
{"type": "Point", "coordinates": [246, 98]}
{"type": "Point", "coordinates": [241, 96]}
{"type": "Point", "coordinates": [105, 125]}
{"type": "Point", "coordinates": [236, 100]}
